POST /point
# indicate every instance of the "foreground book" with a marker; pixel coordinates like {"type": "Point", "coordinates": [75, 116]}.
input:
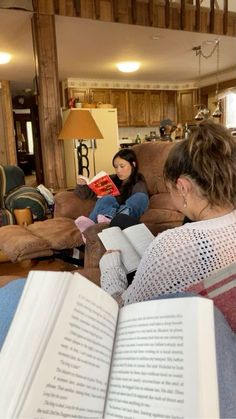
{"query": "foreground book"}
{"type": "Point", "coordinates": [132, 242]}
{"type": "Point", "coordinates": [70, 352]}
{"type": "Point", "coordinates": [101, 184]}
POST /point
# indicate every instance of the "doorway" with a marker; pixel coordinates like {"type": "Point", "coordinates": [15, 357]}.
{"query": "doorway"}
{"type": "Point", "coordinates": [27, 138]}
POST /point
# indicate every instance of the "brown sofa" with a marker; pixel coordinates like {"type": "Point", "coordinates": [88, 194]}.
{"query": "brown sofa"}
{"type": "Point", "coordinates": [160, 215]}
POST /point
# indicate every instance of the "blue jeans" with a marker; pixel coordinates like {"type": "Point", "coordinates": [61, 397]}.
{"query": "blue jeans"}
{"type": "Point", "coordinates": [135, 205]}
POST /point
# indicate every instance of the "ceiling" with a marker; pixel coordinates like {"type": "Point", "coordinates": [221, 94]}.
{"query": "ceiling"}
{"type": "Point", "coordinates": [90, 49]}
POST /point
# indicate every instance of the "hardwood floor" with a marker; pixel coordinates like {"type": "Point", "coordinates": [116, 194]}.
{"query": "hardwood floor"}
{"type": "Point", "coordinates": [10, 271]}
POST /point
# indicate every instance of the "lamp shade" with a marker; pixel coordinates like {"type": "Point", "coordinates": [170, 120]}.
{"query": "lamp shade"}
{"type": "Point", "coordinates": [80, 124]}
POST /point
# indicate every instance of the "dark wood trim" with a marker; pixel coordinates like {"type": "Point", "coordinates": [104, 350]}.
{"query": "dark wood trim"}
{"type": "Point", "coordinates": [134, 11]}
{"type": "Point", "coordinates": [182, 15]}
{"type": "Point", "coordinates": [198, 16]}
{"type": "Point", "coordinates": [115, 11]}
{"type": "Point", "coordinates": [167, 14]}
{"type": "Point", "coordinates": [97, 9]}
{"type": "Point", "coordinates": [212, 16]}
{"type": "Point", "coordinates": [222, 86]}
{"type": "Point", "coordinates": [151, 12]}
{"type": "Point", "coordinates": [77, 7]}
{"type": "Point", "coordinates": [225, 18]}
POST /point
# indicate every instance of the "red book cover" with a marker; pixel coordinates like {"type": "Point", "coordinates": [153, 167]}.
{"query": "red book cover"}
{"type": "Point", "coordinates": [103, 185]}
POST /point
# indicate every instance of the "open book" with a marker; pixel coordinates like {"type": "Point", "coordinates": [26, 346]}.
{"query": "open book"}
{"type": "Point", "coordinates": [101, 184]}
{"type": "Point", "coordinates": [132, 242]}
{"type": "Point", "coordinates": [70, 352]}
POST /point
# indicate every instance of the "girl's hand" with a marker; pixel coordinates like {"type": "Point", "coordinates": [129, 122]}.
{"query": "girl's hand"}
{"type": "Point", "coordinates": [81, 180]}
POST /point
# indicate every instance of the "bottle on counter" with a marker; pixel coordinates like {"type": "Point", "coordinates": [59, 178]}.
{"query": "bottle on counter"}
{"type": "Point", "coordinates": [138, 139]}
{"type": "Point", "coordinates": [186, 131]}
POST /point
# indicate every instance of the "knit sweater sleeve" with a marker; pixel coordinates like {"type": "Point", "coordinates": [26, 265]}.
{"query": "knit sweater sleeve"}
{"type": "Point", "coordinates": [163, 268]}
{"type": "Point", "coordinates": [113, 278]}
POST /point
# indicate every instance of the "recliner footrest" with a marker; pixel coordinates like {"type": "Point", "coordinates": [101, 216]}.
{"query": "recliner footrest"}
{"type": "Point", "coordinates": [39, 239]}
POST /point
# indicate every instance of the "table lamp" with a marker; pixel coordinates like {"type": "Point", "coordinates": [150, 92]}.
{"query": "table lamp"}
{"type": "Point", "coordinates": [80, 125]}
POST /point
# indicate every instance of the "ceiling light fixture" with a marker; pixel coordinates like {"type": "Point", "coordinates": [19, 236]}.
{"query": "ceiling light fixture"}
{"type": "Point", "coordinates": [5, 57]}
{"type": "Point", "coordinates": [128, 66]}
{"type": "Point", "coordinates": [203, 111]}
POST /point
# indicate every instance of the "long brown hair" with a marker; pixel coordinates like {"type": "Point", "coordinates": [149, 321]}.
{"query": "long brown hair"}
{"type": "Point", "coordinates": [209, 158]}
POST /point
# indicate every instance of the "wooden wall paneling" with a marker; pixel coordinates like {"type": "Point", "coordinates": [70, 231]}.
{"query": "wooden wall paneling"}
{"type": "Point", "coordinates": [7, 138]}
{"type": "Point", "coordinates": [106, 9]}
{"type": "Point", "coordinates": [212, 16]}
{"type": "Point", "coordinates": [167, 13]}
{"type": "Point", "coordinates": [205, 18]}
{"type": "Point", "coordinates": [151, 12]}
{"type": "Point", "coordinates": [44, 6]}
{"type": "Point", "coordinates": [182, 14]}
{"type": "Point", "coordinates": [134, 12]}
{"type": "Point", "coordinates": [97, 9]}
{"type": "Point", "coordinates": [231, 24]}
{"type": "Point", "coordinates": [87, 10]}
{"type": "Point", "coordinates": [124, 11]}
{"type": "Point", "coordinates": [197, 16]}
{"type": "Point", "coordinates": [115, 10]}
{"type": "Point", "coordinates": [77, 7]}
{"type": "Point", "coordinates": [175, 16]}
{"type": "Point", "coordinates": [45, 50]}
{"type": "Point", "coordinates": [225, 18]}
{"type": "Point", "coordinates": [159, 16]}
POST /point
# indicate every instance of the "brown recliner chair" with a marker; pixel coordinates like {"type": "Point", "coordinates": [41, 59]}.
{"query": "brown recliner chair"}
{"type": "Point", "coordinates": [160, 215]}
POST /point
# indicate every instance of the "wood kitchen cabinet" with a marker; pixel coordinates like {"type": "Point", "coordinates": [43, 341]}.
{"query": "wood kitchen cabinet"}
{"type": "Point", "coordinates": [138, 108]}
{"type": "Point", "coordinates": [186, 99]}
{"type": "Point", "coordinates": [77, 93]}
{"type": "Point", "coordinates": [155, 107]}
{"type": "Point", "coordinates": [119, 99]}
{"type": "Point", "coordinates": [169, 103]}
{"type": "Point", "coordinates": [99, 95]}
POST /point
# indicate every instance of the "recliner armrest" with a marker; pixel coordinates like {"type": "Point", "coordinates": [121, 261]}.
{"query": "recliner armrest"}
{"type": "Point", "coordinates": [68, 204]}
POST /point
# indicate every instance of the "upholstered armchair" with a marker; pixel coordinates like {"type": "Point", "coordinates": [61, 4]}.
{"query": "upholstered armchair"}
{"type": "Point", "coordinates": [14, 194]}
{"type": "Point", "coordinates": [11, 177]}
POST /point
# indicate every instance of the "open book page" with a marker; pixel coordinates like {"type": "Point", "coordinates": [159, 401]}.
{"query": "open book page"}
{"type": "Point", "coordinates": [113, 238]}
{"type": "Point", "coordinates": [103, 185]}
{"type": "Point", "coordinates": [164, 362]}
{"type": "Point", "coordinates": [140, 237]}
{"type": "Point", "coordinates": [70, 370]}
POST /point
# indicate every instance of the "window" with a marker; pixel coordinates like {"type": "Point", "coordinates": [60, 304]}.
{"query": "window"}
{"type": "Point", "coordinates": [230, 110]}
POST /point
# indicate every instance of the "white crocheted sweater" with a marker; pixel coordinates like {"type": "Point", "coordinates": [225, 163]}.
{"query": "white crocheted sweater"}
{"type": "Point", "coordinates": [175, 259]}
